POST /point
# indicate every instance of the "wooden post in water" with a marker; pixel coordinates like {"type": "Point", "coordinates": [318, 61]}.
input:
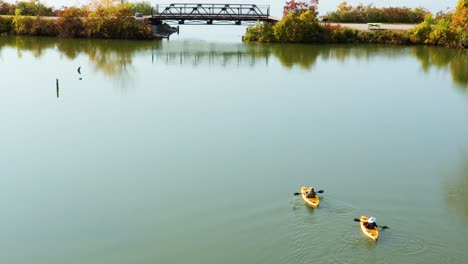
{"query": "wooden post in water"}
{"type": "Point", "coordinates": [57, 84]}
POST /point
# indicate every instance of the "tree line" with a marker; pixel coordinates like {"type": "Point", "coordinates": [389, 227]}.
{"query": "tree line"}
{"type": "Point", "coordinates": [36, 8]}
{"type": "Point", "coordinates": [98, 19]}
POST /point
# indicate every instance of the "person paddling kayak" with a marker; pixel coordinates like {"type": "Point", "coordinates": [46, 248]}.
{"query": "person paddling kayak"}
{"type": "Point", "coordinates": [309, 196]}
{"type": "Point", "coordinates": [311, 193]}
{"type": "Point", "coordinates": [371, 224]}
{"type": "Point", "coordinates": [368, 227]}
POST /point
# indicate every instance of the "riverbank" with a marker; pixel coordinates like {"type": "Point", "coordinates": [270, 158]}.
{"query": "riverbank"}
{"type": "Point", "coordinates": [300, 25]}
{"type": "Point", "coordinates": [116, 22]}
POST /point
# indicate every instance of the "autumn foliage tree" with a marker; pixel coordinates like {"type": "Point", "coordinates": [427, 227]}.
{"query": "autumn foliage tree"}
{"type": "Point", "coordinates": [298, 7]}
{"type": "Point", "coordinates": [6, 8]}
{"type": "Point", "coordinates": [70, 23]}
{"type": "Point", "coordinates": [460, 23]}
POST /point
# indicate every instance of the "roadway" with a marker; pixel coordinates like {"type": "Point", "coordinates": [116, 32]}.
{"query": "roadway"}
{"type": "Point", "coordinates": [383, 26]}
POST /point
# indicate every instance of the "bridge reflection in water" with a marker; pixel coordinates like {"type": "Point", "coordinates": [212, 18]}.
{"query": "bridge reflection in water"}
{"type": "Point", "coordinates": [210, 58]}
{"type": "Point", "coordinates": [231, 55]}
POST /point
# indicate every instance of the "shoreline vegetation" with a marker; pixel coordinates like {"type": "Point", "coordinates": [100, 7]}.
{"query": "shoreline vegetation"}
{"type": "Point", "coordinates": [107, 19]}
{"type": "Point", "coordinates": [300, 24]}
{"type": "Point", "coordinates": [114, 19]}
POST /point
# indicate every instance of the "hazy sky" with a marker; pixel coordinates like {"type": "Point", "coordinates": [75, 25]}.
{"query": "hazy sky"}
{"type": "Point", "coordinates": [277, 5]}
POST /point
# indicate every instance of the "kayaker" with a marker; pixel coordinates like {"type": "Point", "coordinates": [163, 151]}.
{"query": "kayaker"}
{"type": "Point", "coordinates": [371, 224]}
{"type": "Point", "coordinates": [311, 193]}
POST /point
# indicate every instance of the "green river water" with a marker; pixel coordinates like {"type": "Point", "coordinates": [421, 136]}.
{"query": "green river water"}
{"type": "Point", "coordinates": [190, 150]}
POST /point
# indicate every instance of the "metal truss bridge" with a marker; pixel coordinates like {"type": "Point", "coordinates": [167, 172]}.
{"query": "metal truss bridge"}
{"type": "Point", "coordinates": [211, 14]}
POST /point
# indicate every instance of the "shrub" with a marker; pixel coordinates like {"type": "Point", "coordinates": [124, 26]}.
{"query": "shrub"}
{"type": "Point", "coordinates": [439, 31]}
{"type": "Point", "coordinates": [440, 34]}
{"type": "Point", "coordinates": [21, 24]}
{"type": "Point", "coordinates": [342, 35]}
{"type": "Point", "coordinates": [299, 28]}
{"type": "Point", "coordinates": [115, 22]}
{"type": "Point", "coordinates": [390, 37]}
{"type": "Point", "coordinates": [288, 30]}
{"type": "Point", "coordinates": [262, 33]}
{"type": "Point", "coordinates": [6, 24]}
{"type": "Point", "coordinates": [36, 26]}
{"type": "Point", "coordinates": [421, 32]}
{"type": "Point", "coordinates": [43, 27]}
{"type": "Point", "coordinates": [313, 31]}
{"type": "Point", "coordinates": [70, 23]}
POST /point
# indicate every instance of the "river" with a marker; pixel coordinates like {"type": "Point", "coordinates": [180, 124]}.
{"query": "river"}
{"type": "Point", "coordinates": [190, 150]}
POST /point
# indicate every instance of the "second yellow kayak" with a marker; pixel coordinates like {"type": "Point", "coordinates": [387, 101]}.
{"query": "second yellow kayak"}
{"type": "Point", "coordinates": [370, 233]}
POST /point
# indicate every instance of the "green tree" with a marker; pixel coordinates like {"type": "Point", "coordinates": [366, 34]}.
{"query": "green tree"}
{"type": "Point", "coordinates": [440, 33]}
{"type": "Point", "coordinates": [421, 33]}
{"type": "Point", "coordinates": [34, 8]}
{"type": "Point", "coordinates": [144, 8]}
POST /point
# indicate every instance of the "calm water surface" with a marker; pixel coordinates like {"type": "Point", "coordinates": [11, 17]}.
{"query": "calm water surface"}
{"type": "Point", "coordinates": [189, 151]}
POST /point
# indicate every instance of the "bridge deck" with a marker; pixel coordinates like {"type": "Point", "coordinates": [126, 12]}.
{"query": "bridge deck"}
{"type": "Point", "coordinates": [209, 13]}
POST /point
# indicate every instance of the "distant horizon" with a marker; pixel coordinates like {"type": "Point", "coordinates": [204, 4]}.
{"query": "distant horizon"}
{"type": "Point", "coordinates": [276, 6]}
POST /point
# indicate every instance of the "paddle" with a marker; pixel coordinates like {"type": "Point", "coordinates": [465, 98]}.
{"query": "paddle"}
{"type": "Point", "coordinates": [358, 220]}
{"type": "Point", "coordinates": [321, 191]}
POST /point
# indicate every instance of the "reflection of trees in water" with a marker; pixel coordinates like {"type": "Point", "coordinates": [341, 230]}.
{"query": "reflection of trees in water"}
{"type": "Point", "coordinates": [459, 70]}
{"type": "Point", "coordinates": [289, 55]}
{"type": "Point", "coordinates": [36, 46]}
{"type": "Point", "coordinates": [108, 56]}
{"type": "Point", "coordinates": [306, 56]}
{"type": "Point", "coordinates": [432, 57]}
{"type": "Point", "coordinates": [114, 58]}
{"type": "Point", "coordinates": [440, 58]}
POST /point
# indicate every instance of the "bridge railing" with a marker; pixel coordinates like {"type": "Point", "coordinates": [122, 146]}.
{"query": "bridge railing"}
{"type": "Point", "coordinates": [213, 11]}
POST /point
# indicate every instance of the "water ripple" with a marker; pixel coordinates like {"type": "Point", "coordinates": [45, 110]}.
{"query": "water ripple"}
{"type": "Point", "coordinates": [312, 241]}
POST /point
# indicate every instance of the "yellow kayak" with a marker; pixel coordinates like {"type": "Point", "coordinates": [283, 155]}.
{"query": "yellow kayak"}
{"type": "Point", "coordinates": [371, 233]}
{"type": "Point", "coordinates": [312, 202]}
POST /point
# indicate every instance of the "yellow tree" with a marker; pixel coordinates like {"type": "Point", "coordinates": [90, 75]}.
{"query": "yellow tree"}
{"type": "Point", "coordinates": [96, 4]}
{"type": "Point", "coordinates": [344, 7]}
{"type": "Point", "coordinates": [460, 16]}
{"type": "Point", "coordinates": [460, 23]}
